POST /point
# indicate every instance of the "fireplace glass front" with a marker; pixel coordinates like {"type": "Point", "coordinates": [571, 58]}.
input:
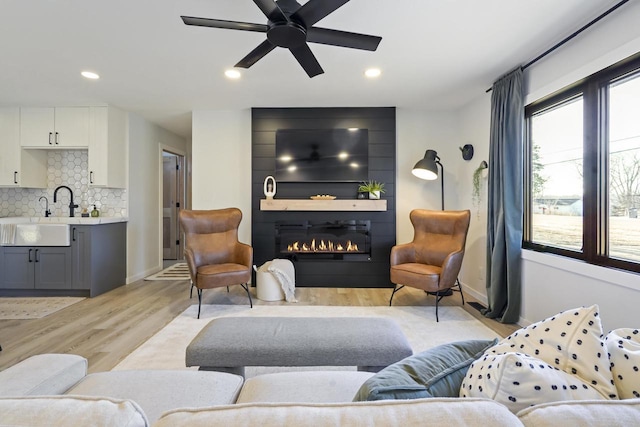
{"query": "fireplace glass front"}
{"type": "Point", "coordinates": [340, 240]}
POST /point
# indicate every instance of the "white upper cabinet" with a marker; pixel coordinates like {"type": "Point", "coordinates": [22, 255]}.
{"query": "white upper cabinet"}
{"type": "Point", "coordinates": [107, 148]}
{"type": "Point", "coordinates": [60, 127]}
{"type": "Point", "coordinates": [18, 167]}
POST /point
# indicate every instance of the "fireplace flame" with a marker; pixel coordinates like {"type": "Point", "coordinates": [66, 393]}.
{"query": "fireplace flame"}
{"type": "Point", "coordinates": [322, 246]}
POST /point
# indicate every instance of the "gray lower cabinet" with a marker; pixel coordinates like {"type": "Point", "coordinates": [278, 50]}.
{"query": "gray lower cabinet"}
{"type": "Point", "coordinates": [38, 267]}
{"type": "Point", "coordinates": [99, 257]}
{"type": "Point", "coordinates": [94, 264]}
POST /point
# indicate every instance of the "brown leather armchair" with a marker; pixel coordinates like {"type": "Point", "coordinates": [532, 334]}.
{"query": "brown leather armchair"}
{"type": "Point", "coordinates": [215, 257]}
{"type": "Point", "coordinates": [433, 260]}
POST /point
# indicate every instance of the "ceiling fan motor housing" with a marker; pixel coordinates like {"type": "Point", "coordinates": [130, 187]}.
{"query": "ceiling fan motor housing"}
{"type": "Point", "coordinates": [286, 34]}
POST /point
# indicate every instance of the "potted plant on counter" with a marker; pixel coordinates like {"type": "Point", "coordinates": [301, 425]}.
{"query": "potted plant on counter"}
{"type": "Point", "coordinates": [373, 188]}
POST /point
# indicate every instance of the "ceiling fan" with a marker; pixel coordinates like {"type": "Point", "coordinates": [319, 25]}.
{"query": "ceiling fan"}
{"type": "Point", "coordinates": [290, 25]}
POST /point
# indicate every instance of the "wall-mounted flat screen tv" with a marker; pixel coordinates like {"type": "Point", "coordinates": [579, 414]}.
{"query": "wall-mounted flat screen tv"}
{"type": "Point", "coordinates": [308, 155]}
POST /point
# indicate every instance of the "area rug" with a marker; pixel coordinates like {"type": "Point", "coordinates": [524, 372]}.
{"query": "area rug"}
{"type": "Point", "coordinates": [166, 349]}
{"type": "Point", "coordinates": [33, 307]}
{"type": "Point", "coordinates": [179, 271]}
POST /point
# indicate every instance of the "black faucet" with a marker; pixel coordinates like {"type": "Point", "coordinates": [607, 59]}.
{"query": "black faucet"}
{"type": "Point", "coordinates": [47, 211]}
{"type": "Point", "coordinates": [72, 206]}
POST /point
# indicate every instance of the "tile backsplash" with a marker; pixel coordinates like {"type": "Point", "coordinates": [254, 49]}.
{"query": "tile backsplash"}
{"type": "Point", "coordinates": [70, 168]}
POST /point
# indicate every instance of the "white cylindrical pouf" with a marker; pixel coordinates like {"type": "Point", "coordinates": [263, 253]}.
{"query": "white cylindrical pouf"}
{"type": "Point", "coordinates": [267, 286]}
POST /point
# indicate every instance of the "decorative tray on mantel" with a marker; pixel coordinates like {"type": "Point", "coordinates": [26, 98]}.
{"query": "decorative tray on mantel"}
{"type": "Point", "coordinates": [322, 197]}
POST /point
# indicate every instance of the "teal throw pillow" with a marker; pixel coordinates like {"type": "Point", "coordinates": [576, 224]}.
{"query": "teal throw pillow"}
{"type": "Point", "coordinates": [437, 372]}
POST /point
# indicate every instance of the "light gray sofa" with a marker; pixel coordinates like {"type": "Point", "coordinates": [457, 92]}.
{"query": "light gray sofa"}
{"type": "Point", "coordinates": [55, 390]}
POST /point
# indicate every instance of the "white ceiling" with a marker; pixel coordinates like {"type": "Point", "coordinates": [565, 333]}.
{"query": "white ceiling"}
{"type": "Point", "coordinates": [434, 54]}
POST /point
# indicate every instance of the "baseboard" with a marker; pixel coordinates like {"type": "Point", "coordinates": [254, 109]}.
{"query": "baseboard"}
{"type": "Point", "coordinates": [484, 303]}
{"type": "Point", "coordinates": [474, 294]}
{"type": "Point", "coordinates": [144, 274]}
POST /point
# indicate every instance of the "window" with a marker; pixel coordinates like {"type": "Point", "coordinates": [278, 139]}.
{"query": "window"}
{"type": "Point", "coordinates": [582, 181]}
{"type": "Point", "coordinates": [556, 186]}
{"type": "Point", "coordinates": [624, 168]}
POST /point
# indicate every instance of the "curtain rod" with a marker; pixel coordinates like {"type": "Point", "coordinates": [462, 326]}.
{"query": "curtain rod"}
{"type": "Point", "coordinates": [571, 36]}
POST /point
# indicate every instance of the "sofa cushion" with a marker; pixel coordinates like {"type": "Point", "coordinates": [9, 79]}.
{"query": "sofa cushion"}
{"type": "Point", "coordinates": [571, 341]}
{"type": "Point", "coordinates": [437, 411]}
{"type": "Point", "coordinates": [623, 346]}
{"type": "Point", "coordinates": [64, 411]}
{"type": "Point", "coordinates": [437, 372]}
{"type": "Point", "coordinates": [517, 380]}
{"type": "Point", "coordinates": [157, 391]}
{"type": "Point", "coordinates": [303, 387]}
{"type": "Point", "coordinates": [43, 374]}
{"type": "Point", "coordinates": [610, 413]}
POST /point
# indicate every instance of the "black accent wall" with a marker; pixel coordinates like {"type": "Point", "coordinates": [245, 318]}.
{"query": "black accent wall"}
{"type": "Point", "coordinates": [381, 123]}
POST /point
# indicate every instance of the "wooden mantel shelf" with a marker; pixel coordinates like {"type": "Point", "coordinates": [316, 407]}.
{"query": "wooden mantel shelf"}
{"type": "Point", "coordinates": [322, 205]}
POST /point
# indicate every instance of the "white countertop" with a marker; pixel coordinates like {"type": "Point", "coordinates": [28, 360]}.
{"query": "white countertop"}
{"type": "Point", "coordinates": [62, 220]}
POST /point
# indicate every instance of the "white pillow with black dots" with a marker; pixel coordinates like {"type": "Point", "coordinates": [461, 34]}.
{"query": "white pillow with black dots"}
{"type": "Point", "coordinates": [623, 346]}
{"type": "Point", "coordinates": [570, 342]}
{"type": "Point", "coordinates": [519, 381]}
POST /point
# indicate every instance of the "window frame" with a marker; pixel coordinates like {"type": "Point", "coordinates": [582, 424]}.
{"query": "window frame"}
{"type": "Point", "coordinates": [595, 201]}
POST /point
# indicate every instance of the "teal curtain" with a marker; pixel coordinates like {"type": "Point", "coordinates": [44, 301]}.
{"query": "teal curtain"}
{"type": "Point", "coordinates": [505, 198]}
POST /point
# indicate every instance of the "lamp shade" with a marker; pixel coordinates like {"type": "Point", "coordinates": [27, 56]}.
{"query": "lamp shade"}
{"type": "Point", "coordinates": [427, 168]}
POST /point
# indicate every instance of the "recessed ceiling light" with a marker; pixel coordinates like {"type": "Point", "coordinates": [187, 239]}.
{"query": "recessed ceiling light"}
{"type": "Point", "coordinates": [232, 74]}
{"type": "Point", "coordinates": [343, 155]}
{"type": "Point", "coordinates": [90, 75]}
{"type": "Point", "coordinates": [373, 72]}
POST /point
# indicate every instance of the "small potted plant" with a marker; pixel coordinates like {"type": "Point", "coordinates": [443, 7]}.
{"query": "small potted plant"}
{"type": "Point", "coordinates": [374, 188]}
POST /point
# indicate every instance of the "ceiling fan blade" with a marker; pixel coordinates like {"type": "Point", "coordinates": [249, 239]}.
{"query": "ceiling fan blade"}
{"type": "Point", "coordinates": [271, 10]}
{"type": "Point", "coordinates": [314, 10]}
{"type": "Point", "coordinates": [219, 23]}
{"type": "Point", "coordinates": [256, 54]}
{"type": "Point", "coordinates": [307, 60]}
{"type": "Point", "coordinates": [342, 38]}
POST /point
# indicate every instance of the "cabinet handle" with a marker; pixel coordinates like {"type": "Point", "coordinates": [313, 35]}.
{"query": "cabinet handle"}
{"type": "Point", "coordinates": [73, 234]}
{"type": "Point", "coordinates": [50, 134]}
{"type": "Point", "coordinates": [15, 177]}
{"type": "Point", "coordinates": [57, 137]}
{"type": "Point", "coordinates": [37, 259]}
{"type": "Point", "coordinates": [91, 177]}
{"type": "Point", "coordinates": [30, 255]}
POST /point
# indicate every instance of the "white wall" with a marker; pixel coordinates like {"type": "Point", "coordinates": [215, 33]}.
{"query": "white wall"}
{"type": "Point", "coordinates": [473, 125]}
{"type": "Point", "coordinates": [143, 229]}
{"type": "Point", "coordinates": [614, 38]}
{"type": "Point", "coordinates": [554, 283]}
{"type": "Point", "coordinates": [445, 132]}
{"type": "Point", "coordinates": [221, 163]}
{"type": "Point", "coordinates": [417, 131]}
{"type": "Point", "coordinates": [550, 283]}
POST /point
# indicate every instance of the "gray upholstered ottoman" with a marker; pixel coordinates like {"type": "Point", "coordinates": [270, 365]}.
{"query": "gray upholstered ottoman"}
{"type": "Point", "coordinates": [229, 344]}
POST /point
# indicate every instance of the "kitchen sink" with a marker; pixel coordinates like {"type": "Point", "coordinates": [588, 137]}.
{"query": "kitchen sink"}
{"type": "Point", "coordinates": [42, 235]}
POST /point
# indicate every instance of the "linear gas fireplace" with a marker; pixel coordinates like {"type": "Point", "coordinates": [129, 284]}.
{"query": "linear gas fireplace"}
{"type": "Point", "coordinates": [348, 240]}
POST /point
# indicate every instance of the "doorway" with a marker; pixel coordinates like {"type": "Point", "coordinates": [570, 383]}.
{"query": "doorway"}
{"type": "Point", "coordinates": [173, 199]}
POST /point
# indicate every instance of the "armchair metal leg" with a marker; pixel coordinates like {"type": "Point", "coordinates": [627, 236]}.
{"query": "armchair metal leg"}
{"type": "Point", "coordinates": [395, 289]}
{"type": "Point", "coordinates": [191, 290]}
{"type": "Point", "coordinates": [438, 298]}
{"type": "Point", "coordinates": [199, 301]}
{"type": "Point", "coordinates": [246, 288]}
{"type": "Point", "coordinates": [459, 286]}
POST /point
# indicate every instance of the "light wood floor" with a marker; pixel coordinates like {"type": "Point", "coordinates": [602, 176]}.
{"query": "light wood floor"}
{"type": "Point", "coordinates": [107, 328]}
